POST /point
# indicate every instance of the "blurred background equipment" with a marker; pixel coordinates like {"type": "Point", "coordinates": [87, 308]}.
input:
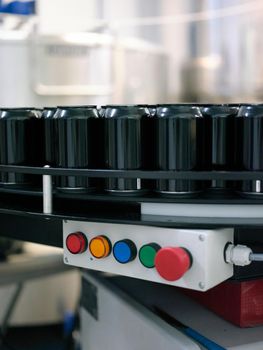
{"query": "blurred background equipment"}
{"type": "Point", "coordinates": [100, 51]}
{"type": "Point", "coordinates": [62, 62]}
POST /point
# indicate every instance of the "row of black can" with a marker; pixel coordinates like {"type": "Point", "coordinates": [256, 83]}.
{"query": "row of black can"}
{"type": "Point", "coordinates": [178, 137]}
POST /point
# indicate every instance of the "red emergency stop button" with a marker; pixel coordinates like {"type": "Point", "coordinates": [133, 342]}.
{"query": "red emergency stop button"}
{"type": "Point", "coordinates": [76, 243]}
{"type": "Point", "coordinates": [172, 262]}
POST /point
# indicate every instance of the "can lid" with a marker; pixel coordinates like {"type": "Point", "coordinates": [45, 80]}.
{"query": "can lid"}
{"type": "Point", "coordinates": [220, 110]}
{"type": "Point", "coordinates": [17, 108]}
{"type": "Point", "coordinates": [77, 112]}
{"type": "Point", "coordinates": [126, 111]}
{"type": "Point", "coordinates": [19, 113]}
{"type": "Point", "coordinates": [77, 107]}
{"type": "Point", "coordinates": [180, 110]}
{"type": "Point", "coordinates": [251, 110]}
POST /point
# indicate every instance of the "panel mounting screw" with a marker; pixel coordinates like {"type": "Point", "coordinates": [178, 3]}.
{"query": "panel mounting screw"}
{"type": "Point", "coordinates": [201, 238]}
{"type": "Point", "coordinates": [201, 285]}
{"type": "Point", "coordinates": [66, 259]}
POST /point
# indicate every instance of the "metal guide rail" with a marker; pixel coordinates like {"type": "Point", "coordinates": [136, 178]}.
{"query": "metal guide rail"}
{"type": "Point", "coordinates": [132, 174]}
{"type": "Point", "coordinates": [46, 201]}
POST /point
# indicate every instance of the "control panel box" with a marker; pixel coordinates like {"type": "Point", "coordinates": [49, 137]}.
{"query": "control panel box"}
{"type": "Point", "coordinates": [185, 258]}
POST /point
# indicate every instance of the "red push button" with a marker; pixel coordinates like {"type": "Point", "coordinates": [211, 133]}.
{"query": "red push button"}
{"type": "Point", "coordinates": [76, 243]}
{"type": "Point", "coordinates": [172, 262]}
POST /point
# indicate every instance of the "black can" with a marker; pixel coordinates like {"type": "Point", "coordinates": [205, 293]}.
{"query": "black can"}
{"type": "Point", "coordinates": [51, 136]}
{"type": "Point", "coordinates": [249, 146]}
{"type": "Point", "coordinates": [78, 144]}
{"type": "Point", "coordinates": [179, 146]}
{"type": "Point", "coordinates": [21, 143]}
{"type": "Point", "coordinates": [125, 145]}
{"type": "Point", "coordinates": [219, 141]}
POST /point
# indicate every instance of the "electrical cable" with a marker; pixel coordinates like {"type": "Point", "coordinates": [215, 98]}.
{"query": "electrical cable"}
{"type": "Point", "coordinates": [256, 257]}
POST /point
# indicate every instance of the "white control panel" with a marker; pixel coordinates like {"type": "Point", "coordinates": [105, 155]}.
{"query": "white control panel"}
{"type": "Point", "coordinates": [186, 258]}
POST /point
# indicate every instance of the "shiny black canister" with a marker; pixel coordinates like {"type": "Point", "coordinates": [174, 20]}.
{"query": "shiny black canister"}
{"type": "Point", "coordinates": [78, 144]}
{"type": "Point", "coordinates": [249, 146]}
{"type": "Point", "coordinates": [179, 146]}
{"type": "Point", "coordinates": [126, 145]}
{"type": "Point", "coordinates": [21, 143]}
{"type": "Point", "coordinates": [219, 141]}
{"type": "Point", "coordinates": [51, 137]}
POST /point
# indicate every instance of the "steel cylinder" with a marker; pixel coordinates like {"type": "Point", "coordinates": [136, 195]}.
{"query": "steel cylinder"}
{"type": "Point", "coordinates": [249, 146]}
{"type": "Point", "coordinates": [179, 146]}
{"type": "Point", "coordinates": [78, 144]}
{"type": "Point", "coordinates": [50, 135]}
{"type": "Point", "coordinates": [21, 143]}
{"type": "Point", "coordinates": [219, 141]}
{"type": "Point", "coordinates": [125, 145]}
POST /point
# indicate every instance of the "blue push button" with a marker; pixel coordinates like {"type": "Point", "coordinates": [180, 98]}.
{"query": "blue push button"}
{"type": "Point", "coordinates": [124, 251]}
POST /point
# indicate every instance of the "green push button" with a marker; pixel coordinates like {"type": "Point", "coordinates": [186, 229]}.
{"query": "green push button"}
{"type": "Point", "coordinates": [147, 254]}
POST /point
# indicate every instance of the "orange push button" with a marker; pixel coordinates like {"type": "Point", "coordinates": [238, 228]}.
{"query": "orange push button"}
{"type": "Point", "coordinates": [100, 247]}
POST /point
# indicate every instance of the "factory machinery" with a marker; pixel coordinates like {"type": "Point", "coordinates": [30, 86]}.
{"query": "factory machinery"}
{"type": "Point", "coordinates": [168, 193]}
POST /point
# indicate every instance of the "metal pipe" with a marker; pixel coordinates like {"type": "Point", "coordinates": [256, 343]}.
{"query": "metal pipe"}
{"type": "Point", "coordinates": [47, 193]}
